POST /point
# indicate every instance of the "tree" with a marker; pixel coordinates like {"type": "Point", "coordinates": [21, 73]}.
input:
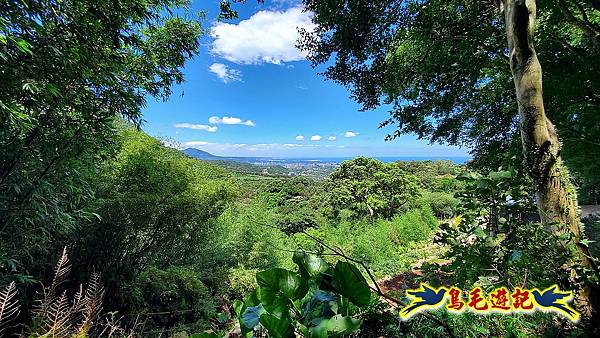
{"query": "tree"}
{"type": "Point", "coordinates": [370, 188]}
{"type": "Point", "coordinates": [69, 69]}
{"type": "Point", "coordinates": [442, 65]}
{"type": "Point", "coordinates": [413, 55]}
{"type": "Point", "coordinates": [156, 206]}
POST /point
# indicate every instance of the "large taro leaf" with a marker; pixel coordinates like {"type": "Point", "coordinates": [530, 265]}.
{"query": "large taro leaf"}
{"type": "Point", "coordinates": [349, 282]}
{"type": "Point", "coordinates": [279, 284]}
{"type": "Point", "coordinates": [277, 327]}
{"type": "Point", "coordinates": [320, 330]}
{"type": "Point", "coordinates": [250, 301]}
{"type": "Point", "coordinates": [321, 304]}
{"type": "Point", "coordinates": [275, 303]}
{"type": "Point", "coordinates": [251, 316]}
{"type": "Point", "coordinates": [238, 307]}
{"type": "Point", "coordinates": [338, 325]}
{"type": "Point", "coordinates": [309, 265]}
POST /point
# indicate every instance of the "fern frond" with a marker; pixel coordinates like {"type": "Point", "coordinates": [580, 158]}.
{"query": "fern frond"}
{"type": "Point", "coordinates": [57, 321]}
{"type": "Point", "coordinates": [61, 272]}
{"type": "Point", "coordinates": [92, 302]}
{"type": "Point", "coordinates": [9, 307]}
{"type": "Point", "coordinates": [78, 303]}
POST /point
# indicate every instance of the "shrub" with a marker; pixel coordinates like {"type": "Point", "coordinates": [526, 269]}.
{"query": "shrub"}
{"type": "Point", "coordinates": [382, 245]}
{"type": "Point", "coordinates": [492, 241]}
{"type": "Point", "coordinates": [444, 205]}
{"type": "Point", "coordinates": [177, 293]}
{"type": "Point", "coordinates": [414, 225]}
{"type": "Point", "coordinates": [241, 281]}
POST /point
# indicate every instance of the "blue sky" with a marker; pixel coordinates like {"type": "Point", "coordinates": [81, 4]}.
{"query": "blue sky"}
{"type": "Point", "coordinates": [250, 92]}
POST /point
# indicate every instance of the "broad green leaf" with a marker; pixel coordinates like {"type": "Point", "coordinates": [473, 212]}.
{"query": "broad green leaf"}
{"type": "Point", "coordinates": [310, 264]}
{"type": "Point", "coordinates": [302, 329]}
{"type": "Point", "coordinates": [277, 327]}
{"type": "Point", "coordinates": [251, 299]}
{"type": "Point", "coordinates": [238, 306]}
{"type": "Point", "coordinates": [23, 46]}
{"type": "Point", "coordinates": [275, 303]}
{"type": "Point", "coordinates": [279, 281]}
{"type": "Point", "coordinates": [320, 330]}
{"type": "Point", "coordinates": [339, 325]}
{"type": "Point", "coordinates": [349, 282]}
{"type": "Point", "coordinates": [251, 316]}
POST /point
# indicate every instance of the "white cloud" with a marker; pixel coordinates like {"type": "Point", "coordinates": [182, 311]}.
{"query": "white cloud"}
{"type": "Point", "coordinates": [300, 138]}
{"type": "Point", "coordinates": [195, 143]}
{"type": "Point", "coordinates": [210, 129]}
{"type": "Point", "coordinates": [230, 120]}
{"type": "Point", "coordinates": [224, 73]}
{"type": "Point", "coordinates": [292, 145]}
{"type": "Point", "coordinates": [350, 134]}
{"type": "Point", "coordinates": [266, 37]}
{"type": "Point", "coordinates": [316, 138]}
{"type": "Point", "coordinates": [331, 138]}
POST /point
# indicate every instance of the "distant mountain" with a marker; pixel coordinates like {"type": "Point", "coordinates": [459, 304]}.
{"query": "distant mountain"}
{"type": "Point", "coordinates": [206, 156]}
{"type": "Point", "coordinates": [243, 165]}
{"type": "Point", "coordinates": [317, 161]}
{"type": "Point", "coordinates": [201, 154]}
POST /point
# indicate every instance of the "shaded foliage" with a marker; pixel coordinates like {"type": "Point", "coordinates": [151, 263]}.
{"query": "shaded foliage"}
{"type": "Point", "coordinates": [442, 66]}
{"type": "Point", "coordinates": [156, 207]}
{"type": "Point", "coordinates": [69, 69]}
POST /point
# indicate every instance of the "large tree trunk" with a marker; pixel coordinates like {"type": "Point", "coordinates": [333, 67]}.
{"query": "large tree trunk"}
{"type": "Point", "coordinates": [555, 196]}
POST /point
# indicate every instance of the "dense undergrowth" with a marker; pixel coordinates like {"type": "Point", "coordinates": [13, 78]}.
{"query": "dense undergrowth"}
{"type": "Point", "coordinates": [165, 272]}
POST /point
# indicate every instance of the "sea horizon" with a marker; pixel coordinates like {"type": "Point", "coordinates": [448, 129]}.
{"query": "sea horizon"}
{"type": "Point", "coordinates": [339, 159]}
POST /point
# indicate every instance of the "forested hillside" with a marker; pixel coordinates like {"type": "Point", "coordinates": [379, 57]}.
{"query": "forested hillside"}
{"type": "Point", "coordinates": [107, 231]}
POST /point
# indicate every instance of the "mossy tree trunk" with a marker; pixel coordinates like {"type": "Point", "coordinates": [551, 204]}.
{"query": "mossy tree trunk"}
{"type": "Point", "coordinates": [555, 195]}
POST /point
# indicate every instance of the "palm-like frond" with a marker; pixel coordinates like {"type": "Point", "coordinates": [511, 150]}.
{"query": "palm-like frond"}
{"type": "Point", "coordinates": [61, 272]}
{"type": "Point", "coordinates": [9, 307]}
{"type": "Point", "coordinates": [92, 303]}
{"type": "Point", "coordinates": [58, 317]}
{"type": "Point", "coordinates": [55, 315]}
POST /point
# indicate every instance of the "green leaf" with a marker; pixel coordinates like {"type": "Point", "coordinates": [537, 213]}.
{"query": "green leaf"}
{"type": "Point", "coordinates": [320, 330]}
{"type": "Point", "coordinates": [238, 306]}
{"type": "Point", "coordinates": [310, 264]}
{"type": "Point", "coordinates": [277, 327]}
{"type": "Point", "coordinates": [279, 281]}
{"type": "Point", "coordinates": [302, 329]}
{"type": "Point", "coordinates": [23, 46]}
{"type": "Point", "coordinates": [339, 325]}
{"type": "Point", "coordinates": [275, 303]}
{"type": "Point", "coordinates": [349, 282]}
{"type": "Point", "coordinates": [251, 316]}
{"type": "Point", "coordinates": [499, 175]}
{"type": "Point", "coordinates": [251, 299]}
